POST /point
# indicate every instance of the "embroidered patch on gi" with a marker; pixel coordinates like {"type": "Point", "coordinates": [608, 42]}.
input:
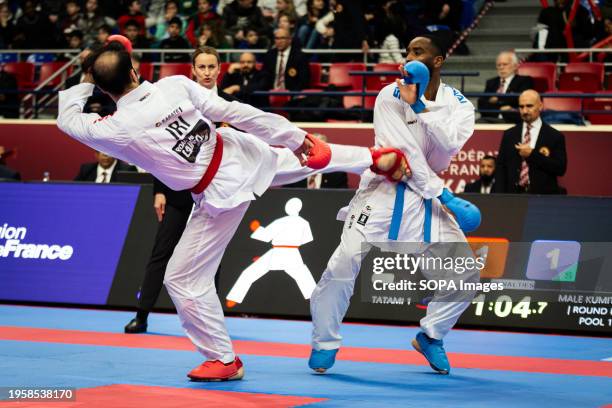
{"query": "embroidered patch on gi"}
{"type": "Point", "coordinates": [364, 216]}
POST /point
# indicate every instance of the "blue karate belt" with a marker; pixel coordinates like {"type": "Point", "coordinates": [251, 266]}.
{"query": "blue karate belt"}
{"type": "Point", "coordinates": [398, 212]}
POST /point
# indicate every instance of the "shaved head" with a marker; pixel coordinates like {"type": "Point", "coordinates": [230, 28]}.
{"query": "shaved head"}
{"type": "Point", "coordinates": [530, 105]}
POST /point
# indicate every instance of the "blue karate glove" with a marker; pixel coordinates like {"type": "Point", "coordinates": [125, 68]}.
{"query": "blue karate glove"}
{"type": "Point", "coordinates": [467, 214]}
{"type": "Point", "coordinates": [418, 74]}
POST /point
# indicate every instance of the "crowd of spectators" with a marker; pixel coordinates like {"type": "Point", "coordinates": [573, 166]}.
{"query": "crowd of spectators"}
{"type": "Point", "coordinates": [244, 24]}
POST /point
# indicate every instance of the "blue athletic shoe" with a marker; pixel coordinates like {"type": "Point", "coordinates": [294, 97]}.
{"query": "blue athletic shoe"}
{"type": "Point", "coordinates": [322, 360]}
{"type": "Point", "coordinates": [467, 214]}
{"type": "Point", "coordinates": [433, 350]}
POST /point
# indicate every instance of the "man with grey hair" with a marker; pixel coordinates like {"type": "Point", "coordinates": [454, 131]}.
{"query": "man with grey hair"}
{"type": "Point", "coordinates": [507, 81]}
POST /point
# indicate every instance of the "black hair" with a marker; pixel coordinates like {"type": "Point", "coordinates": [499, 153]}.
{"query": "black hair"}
{"type": "Point", "coordinates": [489, 157]}
{"type": "Point", "coordinates": [177, 21]}
{"type": "Point", "coordinates": [106, 28]}
{"type": "Point", "coordinates": [112, 76]}
{"type": "Point", "coordinates": [439, 44]}
{"type": "Point", "coordinates": [131, 22]}
{"type": "Point", "coordinates": [75, 33]}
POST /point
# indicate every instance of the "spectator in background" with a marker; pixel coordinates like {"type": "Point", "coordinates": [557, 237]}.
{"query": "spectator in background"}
{"type": "Point", "coordinates": [7, 27]}
{"type": "Point", "coordinates": [240, 14]}
{"type": "Point", "coordinates": [73, 16]}
{"type": "Point", "coordinates": [131, 31]}
{"type": "Point", "coordinates": [287, 22]}
{"type": "Point", "coordinates": [104, 31]}
{"type": "Point", "coordinates": [484, 185]}
{"type": "Point", "coordinates": [175, 42]}
{"type": "Point", "coordinates": [103, 170]}
{"type": "Point", "coordinates": [9, 98]}
{"type": "Point", "coordinates": [52, 8]}
{"type": "Point", "coordinates": [253, 42]}
{"type": "Point", "coordinates": [205, 15]}
{"type": "Point", "coordinates": [34, 30]}
{"type": "Point", "coordinates": [7, 173]}
{"type": "Point", "coordinates": [286, 66]}
{"type": "Point", "coordinates": [344, 28]}
{"type": "Point", "coordinates": [307, 34]}
{"type": "Point", "coordinates": [287, 8]}
{"type": "Point", "coordinates": [444, 17]}
{"type": "Point", "coordinates": [211, 35]}
{"type": "Point", "coordinates": [532, 154]}
{"type": "Point", "coordinates": [171, 10]}
{"type": "Point", "coordinates": [551, 24]}
{"type": "Point", "coordinates": [91, 21]}
{"type": "Point", "coordinates": [507, 81]}
{"type": "Point", "coordinates": [134, 14]}
{"type": "Point", "coordinates": [390, 28]}
{"type": "Point", "coordinates": [243, 78]}
{"type": "Point", "coordinates": [74, 38]}
{"type": "Point", "coordinates": [337, 179]}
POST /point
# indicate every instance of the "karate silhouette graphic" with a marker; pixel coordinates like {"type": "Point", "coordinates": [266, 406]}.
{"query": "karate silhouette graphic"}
{"type": "Point", "coordinates": [286, 235]}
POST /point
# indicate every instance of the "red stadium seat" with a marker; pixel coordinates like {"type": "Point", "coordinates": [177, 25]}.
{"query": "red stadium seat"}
{"type": "Point", "coordinates": [599, 104]}
{"type": "Point", "coordinates": [544, 74]}
{"type": "Point", "coordinates": [315, 75]}
{"type": "Point", "coordinates": [279, 101]}
{"type": "Point", "coordinates": [596, 68]}
{"type": "Point", "coordinates": [223, 68]}
{"type": "Point", "coordinates": [47, 69]}
{"type": "Point", "coordinates": [351, 101]}
{"type": "Point", "coordinates": [339, 75]}
{"type": "Point", "coordinates": [376, 83]}
{"type": "Point", "coordinates": [562, 104]}
{"type": "Point", "coordinates": [146, 71]}
{"type": "Point", "coordinates": [176, 68]}
{"type": "Point", "coordinates": [580, 82]}
{"type": "Point", "coordinates": [23, 71]}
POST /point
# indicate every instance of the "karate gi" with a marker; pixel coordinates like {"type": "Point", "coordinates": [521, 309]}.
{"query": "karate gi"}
{"type": "Point", "coordinates": [167, 129]}
{"type": "Point", "coordinates": [429, 140]}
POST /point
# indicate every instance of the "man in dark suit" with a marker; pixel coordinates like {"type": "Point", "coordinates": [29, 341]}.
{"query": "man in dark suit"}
{"type": "Point", "coordinates": [104, 170]}
{"type": "Point", "coordinates": [286, 66]}
{"type": "Point", "coordinates": [484, 184]}
{"type": "Point", "coordinates": [507, 81]}
{"type": "Point", "coordinates": [532, 154]}
{"type": "Point", "coordinates": [243, 78]}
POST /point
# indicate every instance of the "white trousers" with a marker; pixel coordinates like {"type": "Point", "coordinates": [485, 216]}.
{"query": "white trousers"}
{"type": "Point", "coordinates": [190, 272]}
{"type": "Point", "coordinates": [331, 298]}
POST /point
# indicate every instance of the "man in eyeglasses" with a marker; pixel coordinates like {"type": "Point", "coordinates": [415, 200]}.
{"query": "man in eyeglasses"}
{"type": "Point", "coordinates": [285, 65]}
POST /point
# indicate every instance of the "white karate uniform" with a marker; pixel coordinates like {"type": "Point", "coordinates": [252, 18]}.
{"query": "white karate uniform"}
{"type": "Point", "coordinates": [167, 129]}
{"type": "Point", "coordinates": [429, 140]}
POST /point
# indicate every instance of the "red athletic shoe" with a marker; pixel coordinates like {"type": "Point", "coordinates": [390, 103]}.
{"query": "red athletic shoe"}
{"type": "Point", "coordinates": [217, 371]}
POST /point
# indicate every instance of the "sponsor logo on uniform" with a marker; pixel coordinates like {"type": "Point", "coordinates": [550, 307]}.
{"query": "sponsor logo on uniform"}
{"type": "Point", "coordinates": [458, 95]}
{"type": "Point", "coordinates": [189, 141]}
{"type": "Point", "coordinates": [169, 116]}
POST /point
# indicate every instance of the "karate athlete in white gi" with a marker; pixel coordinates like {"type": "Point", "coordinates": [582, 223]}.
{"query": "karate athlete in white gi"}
{"type": "Point", "coordinates": [393, 211]}
{"type": "Point", "coordinates": [167, 129]}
